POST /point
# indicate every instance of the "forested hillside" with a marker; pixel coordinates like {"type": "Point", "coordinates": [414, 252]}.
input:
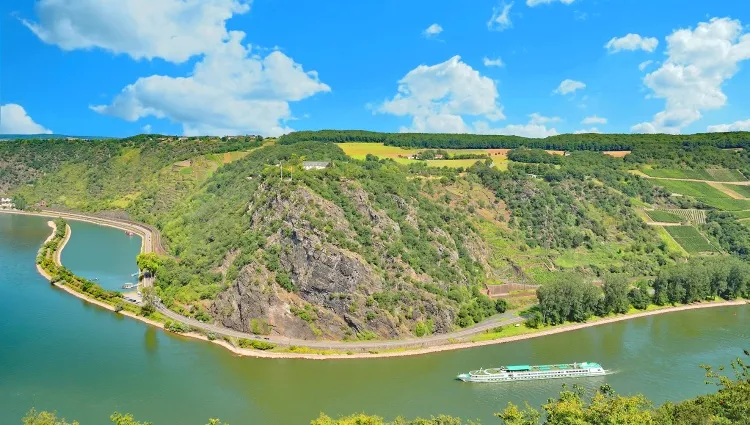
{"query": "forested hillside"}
{"type": "Point", "coordinates": [110, 174]}
{"type": "Point", "coordinates": [375, 248]}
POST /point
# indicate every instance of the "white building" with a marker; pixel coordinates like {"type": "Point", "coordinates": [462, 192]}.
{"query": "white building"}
{"type": "Point", "coordinates": [6, 203]}
{"type": "Point", "coordinates": [315, 165]}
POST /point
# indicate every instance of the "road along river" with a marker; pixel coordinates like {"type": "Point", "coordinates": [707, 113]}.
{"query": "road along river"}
{"type": "Point", "coordinates": [61, 353]}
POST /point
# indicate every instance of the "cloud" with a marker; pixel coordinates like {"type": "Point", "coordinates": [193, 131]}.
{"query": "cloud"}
{"type": "Point", "coordinates": [437, 97]}
{"type": "Point", "coordinates": [735, 126]}
{"type": "Point", "coordinates": [592, 130]}
{"type": "Point", "coordinates": [493, 62]}
{"type": "Point", "coordinates": [500, 20]}
{"type": "Point", "coordinates": [533, 3]}
{"type": "Point", "coordinates": [645, 64]}
{"type": "Point", "coordinates": [231, 90]}
{"type": "Point", "coordinates": [698, 62]}
{"type": "Point", "coordinates": [536, 118]}
{"type": "Point", "coordinates": [173, 30]}
{"type": "Point", "coordinates": [146, 128]}
{"type": "Point", "coordinates": [594, 120]}
{"type": "Point", "coordinates": [536, 127]}
{"type": "Point", "coordinates": [15, 120]}
{"type": "Point", "coordinates": [432, 31]}
{"type": "Point", "coordinates": [632, 42]}
{"type": "Point", "coordinates": [569, 86]}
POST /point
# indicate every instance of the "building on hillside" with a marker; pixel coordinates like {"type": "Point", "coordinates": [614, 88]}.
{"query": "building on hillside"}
{"type": "Point", "coordinates": [6, 203]}
{"type": "Point", "coordinates": [315, 165]}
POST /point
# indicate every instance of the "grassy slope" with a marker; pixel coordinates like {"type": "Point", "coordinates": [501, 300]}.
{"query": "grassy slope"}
{"type": "Point", "coordinates": [690, 239]}
{"type": "Point", "coordinates": [664, 217]}
{"type": "Point", "coordinates": [705, 193]}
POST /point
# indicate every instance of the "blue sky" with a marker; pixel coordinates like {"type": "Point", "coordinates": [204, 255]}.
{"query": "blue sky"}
{"type": "Point", "coordinates": [528, 67]}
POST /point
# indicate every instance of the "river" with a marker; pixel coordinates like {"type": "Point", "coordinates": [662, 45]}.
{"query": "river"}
{"type": "Point", "coordinates": [59, 353]}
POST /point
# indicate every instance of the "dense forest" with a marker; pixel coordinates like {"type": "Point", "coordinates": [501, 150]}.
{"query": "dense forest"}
{"type": "Point", "coordinates": [570, 142]}
{"type": "Point", "coordinates": [727, 404]}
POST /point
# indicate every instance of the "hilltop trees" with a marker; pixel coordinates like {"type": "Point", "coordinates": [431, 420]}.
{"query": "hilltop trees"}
{"type": "Point", "coordinates": [702, 279]}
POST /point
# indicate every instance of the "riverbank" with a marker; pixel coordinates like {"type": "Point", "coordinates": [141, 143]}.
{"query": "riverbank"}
{"type": "Point", "coordinates": [343, 350]}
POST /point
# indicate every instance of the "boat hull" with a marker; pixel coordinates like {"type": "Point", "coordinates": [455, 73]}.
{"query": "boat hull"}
{"type": "Point", "coordinates": [500, 378]}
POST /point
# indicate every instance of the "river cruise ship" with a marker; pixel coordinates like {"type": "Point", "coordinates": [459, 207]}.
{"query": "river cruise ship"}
{"type": "Point", "coordinates": [526, 372]}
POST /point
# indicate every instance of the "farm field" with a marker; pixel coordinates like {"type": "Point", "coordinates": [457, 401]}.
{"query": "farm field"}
{"type": "Point", "coordinates": [358, 150]}
{"type": "Point", "coordinates": [711, 174]}
{"type": "Point", "coordinates": [664, 217]}
{"type": "Point", "coordinates": [742, 214]}
{"type": "Point", "coordinates": [703, 191]}
{"type": "Point", "coordinates": [690, 239]}
{"type": "Point", "coordinates": [741, 190]}
{"type": "Point", "coordinates": [671, 243]}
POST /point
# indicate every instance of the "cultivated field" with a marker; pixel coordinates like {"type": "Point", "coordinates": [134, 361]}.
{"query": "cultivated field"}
{"type": "Point", "coordinates": [742, 214]}
{"type": "Point", "coordinates": [710, 174]}
{"type": "Point", "coordinates": [664, 217]}
{"type": "Point", "coordinates": [703, 191]}
{"type": "Point", "coordinates": [358, 150]}
{"type": "Point", "coordinates": [743, 191]}
{"type": "Point", "coordinates": [691, 216]}
{"type": "Point", "coordinates": [690, 239]}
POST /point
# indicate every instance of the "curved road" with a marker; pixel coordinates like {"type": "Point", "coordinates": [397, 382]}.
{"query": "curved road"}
{"type": "Point", "coordinates": [152, 243]}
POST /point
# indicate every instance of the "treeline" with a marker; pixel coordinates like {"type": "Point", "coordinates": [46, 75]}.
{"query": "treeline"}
{"type": "Point", "coordinates": [595, 142]}
{"type": "Point", "coordinates": [431, 154]}
{"type": "Point", "coordinates": [568, 298]}
{"type": "Point", "coordinates": [538, 156]}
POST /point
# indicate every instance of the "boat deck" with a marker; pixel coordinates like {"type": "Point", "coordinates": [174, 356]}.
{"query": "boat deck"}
{"type": "Point", "coordinates": [540, 368]}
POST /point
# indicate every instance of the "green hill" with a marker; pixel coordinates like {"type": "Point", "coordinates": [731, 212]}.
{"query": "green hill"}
{"type": "Point", "coordinates": [365, 248]}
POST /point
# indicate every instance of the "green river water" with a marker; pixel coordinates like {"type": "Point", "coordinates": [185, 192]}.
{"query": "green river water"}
{"type": "Point", "coordinates": [59, 353]}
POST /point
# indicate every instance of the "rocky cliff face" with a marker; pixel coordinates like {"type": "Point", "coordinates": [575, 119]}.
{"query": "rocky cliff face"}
{"type": "Point", "coordinates": [318, 278]}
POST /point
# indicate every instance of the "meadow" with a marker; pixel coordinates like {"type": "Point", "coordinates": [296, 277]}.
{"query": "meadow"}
{"type": "Point", "coordinates": [743, 191]}
{"type": "Point", "coordinates": [704, 192]}
{"type": "Point", "coordinates": [361, 150]}
{"type": "Point", "coordinates": [690, 239]}
{"type": "Point", "coordinates": [710, 174]}
{"type": "Point", "coordinates": [664, 217]}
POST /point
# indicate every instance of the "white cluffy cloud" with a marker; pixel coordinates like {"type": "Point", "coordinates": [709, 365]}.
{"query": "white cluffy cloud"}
{"type": "Point", "coordinates": [594, 120]}
{"type": "Point", "coordinates": [532, 3]}
{"type": "Point", "coordinates": [569, 86]}
{"type": "Point", "coordinates": [493, 62]}
{"type": "Point", "coordinates": [632, 42]}
{"type": "Point", "coordinates": [437, 97]}
{"type": "Point", "coordinates": [735, 126]}
{"type": "Point", "coordinates": [698, 62]}
{"type": "Point", "coordinates": [500, 19]}
{"type": "Point", "coordinates": [232, 88]}
{"type": "Point", "coordinates": [432, 31]}
{"type": "Point", "coordinates": [231, 91]}
{"type": "Point", "coordinates": [173, 30]}
{"type": "Point", "coordinates": [15, 120]}
{"type": "Point", "coordinates": [645, 64]}
{"type": "Point", "coordinates": [535, 128]}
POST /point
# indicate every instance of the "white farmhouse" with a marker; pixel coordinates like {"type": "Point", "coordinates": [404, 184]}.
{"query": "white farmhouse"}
{"type": "Point", "coordinates": [6, 203]}
{"type": "Point", "coordinates": [315, 165]}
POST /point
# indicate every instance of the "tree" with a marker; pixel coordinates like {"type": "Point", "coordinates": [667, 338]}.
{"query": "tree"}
{"type": "Point", "coordinates": [44, 418]}
{"type": "Point", "coordinates": [148, 295]}
{"type": "Point", "coordinates": [616, 293]}
{"type": "Point", "coordinates": [19, 202]}
{"type": "Point", "coordinates": [148, 262]}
